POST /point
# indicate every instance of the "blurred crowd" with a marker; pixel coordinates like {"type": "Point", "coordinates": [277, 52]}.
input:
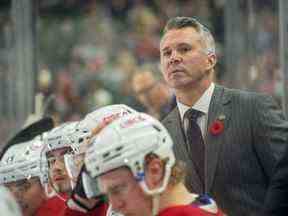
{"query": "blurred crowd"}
{"type": "Point", "coordinates": [98, 51]}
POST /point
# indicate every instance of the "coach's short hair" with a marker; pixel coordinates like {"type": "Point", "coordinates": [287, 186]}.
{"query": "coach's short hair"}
{"type": "Point", "coordinates": [184, 22]}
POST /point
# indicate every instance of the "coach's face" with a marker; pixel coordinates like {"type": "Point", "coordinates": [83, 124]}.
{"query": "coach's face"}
{"type": "Point", "coordinates": [184, 62]}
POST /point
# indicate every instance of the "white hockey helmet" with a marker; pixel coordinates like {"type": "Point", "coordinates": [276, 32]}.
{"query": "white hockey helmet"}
{"type": "Point", "coordinates": [126, 142]}
{"type": "Point", "coordinates": [57, 137]}
{"type": "Point", "coordinates": [106, 113]}
{"type": "Point", "coordinates": [22, 161]}
{"type": "Point", "coordinates": [82, 132]}
{"type": "Point", "coordinates": [91, 120]}
{"type": "Point", "coordinates": [53, 140]}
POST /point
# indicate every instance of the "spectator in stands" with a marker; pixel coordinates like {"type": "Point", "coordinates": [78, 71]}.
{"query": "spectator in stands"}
{"type": "Point", "coordinates": [153, 94]}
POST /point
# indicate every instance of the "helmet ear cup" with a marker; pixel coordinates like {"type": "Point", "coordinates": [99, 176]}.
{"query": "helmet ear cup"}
{"type": "Point", "coordinates": [86, 187]}
{"type": "Point", "coordinates": [79, 188]}
{"type": "Point", "coordinates": [49, 191]}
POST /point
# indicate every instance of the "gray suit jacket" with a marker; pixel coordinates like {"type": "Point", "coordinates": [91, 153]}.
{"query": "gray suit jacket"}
{"type": "Point", "coordinates": [239, 160]}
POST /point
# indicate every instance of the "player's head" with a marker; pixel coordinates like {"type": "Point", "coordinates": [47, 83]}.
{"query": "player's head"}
{"type": "Point", "coordinates": [85, 129]}
{"type": "Point", "coordinates": [20, 173]}
{"type": "Point", "coordinates": [57, 145]}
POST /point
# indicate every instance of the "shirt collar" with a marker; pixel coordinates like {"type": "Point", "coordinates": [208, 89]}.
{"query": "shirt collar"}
{"type": "Point", "coordinates": [202, 104]}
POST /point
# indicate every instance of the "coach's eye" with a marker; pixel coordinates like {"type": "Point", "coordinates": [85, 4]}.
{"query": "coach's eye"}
{"type": "Point", "coordinates": [184, 49]}
{"type": "Point", "coordinates": [166, 53]}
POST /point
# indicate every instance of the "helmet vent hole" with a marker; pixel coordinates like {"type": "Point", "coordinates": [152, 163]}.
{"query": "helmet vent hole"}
{"type": "Point", "coordinates": [119, 148]}
{"type": "Point", "coordinates": [156, 128]}
{"type": "Point", "coordinates": [105, 155]}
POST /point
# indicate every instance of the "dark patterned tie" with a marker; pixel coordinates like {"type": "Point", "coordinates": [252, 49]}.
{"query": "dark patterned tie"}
{"type": "Point", "coordinates": [195, 143]}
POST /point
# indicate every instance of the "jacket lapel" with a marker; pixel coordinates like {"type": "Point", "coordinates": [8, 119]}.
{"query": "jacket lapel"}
{"type": "Point", "coordinates": [219, 109]}
{"type": "Point", "coordinates": [175, 128]}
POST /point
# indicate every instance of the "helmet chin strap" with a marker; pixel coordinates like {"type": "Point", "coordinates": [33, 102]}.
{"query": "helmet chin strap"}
{"type": "Point", "coordinates": [50, 192]}
{"type": "Point", "coordinates": [53, 191]}
{"type": "Point", "coordinates": [72, 184]}
{"type": "Point", "coordinates": [155, 204]}
{"type": "Point", "coordinates": [60, 197]}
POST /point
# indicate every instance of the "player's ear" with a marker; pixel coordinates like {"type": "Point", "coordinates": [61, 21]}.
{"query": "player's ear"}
{"type": "Point", "coordinates": [211, 60]}
{"type": "Point", "coordinates": [154, 173]}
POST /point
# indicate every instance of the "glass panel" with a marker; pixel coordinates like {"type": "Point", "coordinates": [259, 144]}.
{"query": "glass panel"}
{"type": "Point", "coordinates": [6, 117]}
{"type": "Point", "coordinates": [252, 46]}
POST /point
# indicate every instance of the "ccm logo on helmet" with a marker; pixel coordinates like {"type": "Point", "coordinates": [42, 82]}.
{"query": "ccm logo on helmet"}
{"type": "Point", "coordinates": [132, 121]}
{"type": "Point", "coordinates": [114, 116]}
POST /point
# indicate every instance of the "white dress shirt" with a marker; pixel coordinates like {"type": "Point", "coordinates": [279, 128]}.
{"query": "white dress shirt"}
{"type": "Point", "coordinates": [201, 105]}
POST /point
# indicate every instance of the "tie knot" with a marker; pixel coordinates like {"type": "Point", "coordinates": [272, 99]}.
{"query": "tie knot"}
{"type": "Point", "coordinates": [193, 114]}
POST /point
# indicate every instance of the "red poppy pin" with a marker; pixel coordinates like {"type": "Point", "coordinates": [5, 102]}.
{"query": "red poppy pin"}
{"type": "Point", "coordinates": [217, 126]}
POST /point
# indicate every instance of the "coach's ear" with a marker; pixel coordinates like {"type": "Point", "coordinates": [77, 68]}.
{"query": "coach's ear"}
{"type": "Point", "coordinates": [211, 60]}
{"type": "Point", "coordinates": [154, 173]}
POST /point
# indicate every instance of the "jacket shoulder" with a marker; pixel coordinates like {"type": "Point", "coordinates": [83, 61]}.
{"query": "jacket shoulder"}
{"type": "Point", "coordinates": [170, 116]}
{"type": "Point", "coordinates": [246, 95]}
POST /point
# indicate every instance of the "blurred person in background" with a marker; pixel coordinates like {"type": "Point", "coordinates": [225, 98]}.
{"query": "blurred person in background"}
{"type": "Point", "coordinates": [155, 95]}
{"type": "Point", "coordinates": [124, 68]}
{"type": "Point", "coordinates": [230, 139]}
{"type": "Point", "coordinates": [132, 161]}
{"type": "Point", "coordinates": [144, 33]}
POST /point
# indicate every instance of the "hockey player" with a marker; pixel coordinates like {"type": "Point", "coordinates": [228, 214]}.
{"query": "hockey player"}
{"type": "Point", "coordinates": [52, 158]}
{"type": "Point", "coordinates": [134, 165]}
{"type": "Point", "coordinates": [85, 198]}
{"type": "Point", "coordinates": [20, 172]}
